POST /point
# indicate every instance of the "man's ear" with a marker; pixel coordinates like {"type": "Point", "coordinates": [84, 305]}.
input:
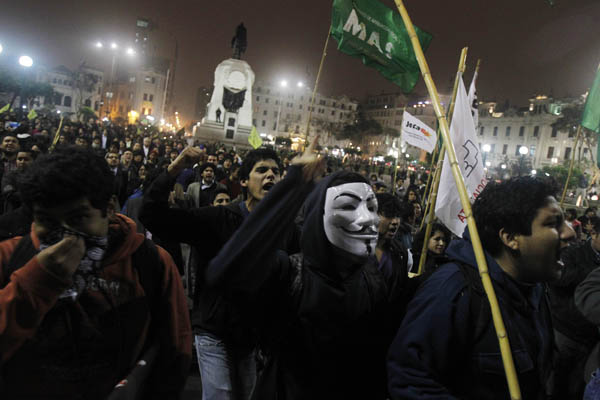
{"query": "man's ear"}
{"type": "Point", "coordinates": [509, 239]}
{"type": "Point", "coordinates": [244, 183]}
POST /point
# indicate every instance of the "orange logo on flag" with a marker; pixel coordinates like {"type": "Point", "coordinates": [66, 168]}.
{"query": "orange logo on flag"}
{"type": "Point", "coordinates": [424, 132]}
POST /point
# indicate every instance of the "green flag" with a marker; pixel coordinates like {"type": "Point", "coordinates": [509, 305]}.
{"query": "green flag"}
{"type": "Point", "coordinates": [591, 112]}
{"type": "Point", "coordinates": [374, 33]}
{"type": "Point", "coordinates": [32, 115]}
{"type": "Point", "coordinates": [254, 138]}
{"type": "Point", "coordinates": [5, 108]}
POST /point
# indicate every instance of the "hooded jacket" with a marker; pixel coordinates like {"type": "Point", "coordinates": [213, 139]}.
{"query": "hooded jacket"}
{"type": "Point", "coordinates": [447, 346]}
{"type": "Point", "coordinates": [53, 348]}
{"type": "Point", "coordinates": [328, 339]}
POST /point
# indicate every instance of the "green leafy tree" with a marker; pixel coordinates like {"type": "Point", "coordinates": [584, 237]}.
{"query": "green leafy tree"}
{"type": "Point", "coordinates": [560, 173]}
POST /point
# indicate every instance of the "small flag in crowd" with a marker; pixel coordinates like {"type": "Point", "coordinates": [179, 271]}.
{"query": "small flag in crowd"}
{"type": "Point", "coordinates": [473, 101]}
{"type": "Point", "coordinates": [416, 133]}
{"type": "Point", "coordinates": [5, 108]}
{"type": "Point", "coordinates": [448, 207]}
{"type": "Point", "coordinates": [32, 115]}
{"type": "Point", "coordinates": [254, 138]}
{"type": "Point", "coordinates": [374, 33]}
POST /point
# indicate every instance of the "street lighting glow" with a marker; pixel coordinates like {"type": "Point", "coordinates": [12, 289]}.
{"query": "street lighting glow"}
{"type": "Point", "coordinates": [283, 83]}
{"type": "Point", "coordinates": [130, 51]}
{"type": "Point", "coordinates": [533, 172]}
{"type": "Point", "coordinates": [99, 45]}
{"type": "Point", "coordinates": [488, 164]}
{"type": "Point", "coordinates": [300, 84]}
{"type": "Point", "coordinates": [113, 45]}
{"type": "Point", "coordinates": [0, 48]}
{"type": "Point", "coordinates": [25, 61]}
{"type": "Point", "coordinates": [523, 150]}
{"type": "Point", "coordinates": [486, 147]}
{"type": "Point", "coordinates": [503, 166]}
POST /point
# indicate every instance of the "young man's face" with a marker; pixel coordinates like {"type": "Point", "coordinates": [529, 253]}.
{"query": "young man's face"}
{"type": "Point", "coordinates": [78, 215]}
{"type": "Point", "coordinates": [138, 158]}
{"type": "Point", "coordinates": [388, 226]}
{"type": "Point", "coordinates": [127, 156]}
{"type": "Point", "coordinates": [10, 144]}
{"type": "Point", "coordinates": [24, 159]}
{"type": "Point", "coordinates": [539, 259]}
{"type": "Point", "coordinates": [212, 159]}
{"type": "Point", "coordinates": [221, 199]}
{"type": "Point", "coordinates": [264, 175]}
{"type": "Point", "coordinates": [227, 163]}
{"type": "Point", "coordinates": [208, 175]}
{"type": "Point", "coordinates": [147, 142]}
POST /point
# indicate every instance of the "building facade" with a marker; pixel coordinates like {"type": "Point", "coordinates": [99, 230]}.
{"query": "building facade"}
{"type": "Point", "coordinates": [283, 111]}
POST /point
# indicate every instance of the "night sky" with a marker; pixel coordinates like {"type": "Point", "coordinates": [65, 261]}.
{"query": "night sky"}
{"type": "Point", "coordinates": [526, 46]}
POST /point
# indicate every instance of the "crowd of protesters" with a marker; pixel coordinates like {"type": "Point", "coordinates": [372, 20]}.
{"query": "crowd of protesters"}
{"type": "Point", "coordinates": [290, 276]}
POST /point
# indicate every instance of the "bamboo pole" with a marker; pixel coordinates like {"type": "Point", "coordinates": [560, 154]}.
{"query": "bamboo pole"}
{"type": "Point", "coordinates": [57, 135]}
{"type": "Point", "coordinates": [314, 93]}
{"type": "Point", "coordinates": [438, 172]}
{"type": "Point", "coordinates": [426, 194]}
{"type": "Point", "coordinates": [507, 359]}
{"type": "Point", "coordinates": [564, 193]}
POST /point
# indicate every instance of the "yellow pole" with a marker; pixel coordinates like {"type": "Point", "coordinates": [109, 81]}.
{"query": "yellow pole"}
{"type": "Point", "coordinates": [427, 192]}
{"type": "Point", "coordinates": [507, 359]}
{"type": "Point", "coordinates": [438, 172]}
{"type": "Point", "coordinates": [564, 193]}
{"type": "Point", "coordinates": [314, 93]}
{"type": "Point", "coordinates": [57, 135]}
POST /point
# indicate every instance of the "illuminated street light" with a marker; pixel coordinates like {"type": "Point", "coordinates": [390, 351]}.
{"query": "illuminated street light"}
{"type": "Point", "coordinates": [99, 45]}
{"type": "Point", "coordinates": [0, 48]}
{"type": "Point", "coordinates": [283, 83]}
{"type": "Point", "coordinates": [523, 150]}
{"type": "Point", "coordinates": [488, 164]}
{"type": "Point", "coordinates": [300, 84]}
{"type": "Point", "coordinates": [130, 51]}
{"type": "Point", "coordinates": [25, 61]}
{"type": "Point", "coordinates": [486, 148]}
{"type": "Point", "coordinates": [503, 166]}
{"type": "Point", "coordinates": [533, 172]}
{"type": "Point", "coordinates": [113, 46]}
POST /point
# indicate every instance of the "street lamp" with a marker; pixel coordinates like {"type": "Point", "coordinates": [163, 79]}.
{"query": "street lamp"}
{"type": "Point", "coordinates": [486, 149]}
{"type": "Point", "coordinates": [533, 172]}
{"type": "Point", "coordinates": [523, 150]}
{"type": "Point", "coordinates": [25, 61]}
{"type": "Point", "coordinates": [283, 83]}
{"type": "Point", "coordinates": [113, 46]}
{"type": "Point", "coordinates": [99, 45]}
{"type": "Point", "coordinates": [130, 51]}
{"type": "Point", "coordinates": [300, 84]}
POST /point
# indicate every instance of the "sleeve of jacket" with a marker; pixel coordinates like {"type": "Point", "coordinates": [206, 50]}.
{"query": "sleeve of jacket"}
{"type": "Point", "coordinates": [248, 258]}
{"type": "Point", "coordinates": [174, 335]}
{"type": "Point", "coordinates": [426, 352]}
{"type": "Point", "coordinates": [587, 297]}
{"type": "Point", "coordinates": [25, 299]}
{"type": "Point", "coordinates": [178, 225]}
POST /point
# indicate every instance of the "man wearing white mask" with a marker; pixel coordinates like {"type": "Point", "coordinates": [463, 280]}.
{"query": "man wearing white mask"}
{"type": "Point", "coordinates": [322, 316]}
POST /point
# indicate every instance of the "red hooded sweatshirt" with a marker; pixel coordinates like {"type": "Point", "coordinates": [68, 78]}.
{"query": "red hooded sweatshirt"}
{"type": "Point", "coordinates": [53, 348]}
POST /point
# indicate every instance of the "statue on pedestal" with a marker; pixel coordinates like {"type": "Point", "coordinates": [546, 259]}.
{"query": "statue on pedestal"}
{"type": "Point", "coordinates": [239, 42]}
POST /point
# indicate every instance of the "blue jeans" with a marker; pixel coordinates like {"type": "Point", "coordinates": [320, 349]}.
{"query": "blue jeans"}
{"type": "Point", "coordinates": [219, 371]}
{"type": "Point", "coordinates": [592, 390]}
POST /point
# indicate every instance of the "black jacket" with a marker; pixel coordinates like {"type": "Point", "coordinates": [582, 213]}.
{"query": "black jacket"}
{"type": "Point", "coordinates": [207, 229]}
{"type": "Point", "coordinates": [579, 261]}
{"type": "Point", "coordinates": [328, 339]}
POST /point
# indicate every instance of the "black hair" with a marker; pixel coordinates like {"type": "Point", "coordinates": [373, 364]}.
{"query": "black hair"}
{"type": "Point", "coordinates": [388, 205]}
{"type": "Point", "coordinates": [415, 190]}
{"type": "Point", "coordinates": [511, 205]}
{"type": "Point", "coordinates": [595, 221]}
{"type": "Point", "coordinates": [207, 165]}
{"type": "Point", "coordinates": [572, 212]}
{"type": "Point", "coordinates": [587, 210]}
{"type": "Point", "coordinates": [436, 226]}
{"type": "Point", "coordinates": [256, 156]}
{"type": "Point", "coordinates": [68, 174]}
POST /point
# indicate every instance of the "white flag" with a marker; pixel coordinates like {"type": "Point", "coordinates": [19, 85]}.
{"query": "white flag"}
{"type": "Point", "coordinates": [473, 101]}
{"type": "Point", "coordinates": [462, 132]}
{"type": "Point", "coordinates": [416, 133]}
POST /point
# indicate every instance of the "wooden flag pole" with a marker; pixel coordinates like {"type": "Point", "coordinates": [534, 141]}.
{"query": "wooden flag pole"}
{"type": "Point", "coordinates": [314, 93]}
{"type": "Point", "coordinates": [428, 186]}
{"type": "Point", "coordinates": [564, 193]}
{"type": "Point", "coordinates": [438, 172]}
{"type": "Point", "coordinates": [57, 135]}
{"type": "Point", "coordinates": [507, 359]}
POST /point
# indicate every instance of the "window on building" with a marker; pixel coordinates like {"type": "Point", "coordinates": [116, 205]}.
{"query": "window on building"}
{"type": "Point", "coordinates": [571, 134]}
{"type": "Point", "coordinates": [253, 121]}
{"type": "Point", "coordinates": [585, 151]}
{"type": "Point", "coordinates": [300, 107]}
{"type": "Point", "coordinates": [321, 102]}
{"type": "Point", "coordinates": [517, 148]}
{"type": "Point", "coordinates": [87, 103]}
{"type": "Point", "coordinates": [143, 111]}
{"type": "Point", "coordinates": [257, 98]}
{"type": "Point", "coordinates": [96, 106]}
{"type": "Point", "coordinates": [297, 130]}
{"type": "Point", "coordinates": [267, 100]}
{"type": "Point", "coordinates": [495, 131]}
{"type": "Point", "coordinates": [151, 97]}
{"type": "Point", "coordinates": [275, 114]}
{"type": "Point", "coordinates": [504, 149]}
{"type": "Point", "coordinates": [493, 148]}
{"type": "Point", "coordinates": [153, 80]}
{"type": "Point", "coordinates": [554, 132]}
{"type": "Point", "coordinates": [522, 131]}
{"type": "Point", "coordinates": [333, 104]}
{"type": "Point", "coordinates": [275, 126]}
{"type": "Point", "coordinates": [147, 79]}
{"type": "Point", "coordinates": [149, 111]}
{"type": "Point", "coordinates": [145, 96]}
{"type": "Point", "coordinates": [333, 112]}
{"type": "Point", "coordinates": [567, 153]}
{"type": "Point", "coordinates": [507, 131]}
{"type": "Point", "coordinates": [258, 89]}
{"type": "Point", "coordinates": [265, 112]}
{"type": "Point", "coordinates": [343, 106]}
{"type": "Point", "coordinates": [132, 79]}
{"type": "Point", "coordinates": [231, 122]}
{"type": "Point", "coordinates": [120, 109]}
{"type": "Point", "coordinates": [67, 101]}
{"type": "Point", "coordinates": [481, 130]}
{"type": "Point", "coordinates": [263, 123]}
{"type": "Point", "coordinates": [532, 150]}
{"type": "Point", "coordinates": [536, 131]}
{"type": "Point", "coordinates": [229, 133]}
{"type": "Point", "coordinates": [276, 102]}
{"type": "Point", "coordinates": [550, 153]}
{"type": "Point", "coordinates": [268, 91]}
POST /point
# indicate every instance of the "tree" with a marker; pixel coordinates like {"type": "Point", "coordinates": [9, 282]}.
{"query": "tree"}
{"type": "Point", "coordinates": [23, 85]}
{"type": "Point", "coordinates": [85, 113]}
{"type": "Point", "coordinates": [359, 126]}
{"type": "Point", "coordinates": [569, 121]}
{"type": "Point", "coordinates": [560, 173]}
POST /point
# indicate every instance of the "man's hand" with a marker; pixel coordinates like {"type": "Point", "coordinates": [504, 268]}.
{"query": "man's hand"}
{"type": "Point", "coordinates": [64, 257]}
{"type": "Point", "coordinates": [188, 157]}
{"type": "Point", "coordinates": [312, 165]}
